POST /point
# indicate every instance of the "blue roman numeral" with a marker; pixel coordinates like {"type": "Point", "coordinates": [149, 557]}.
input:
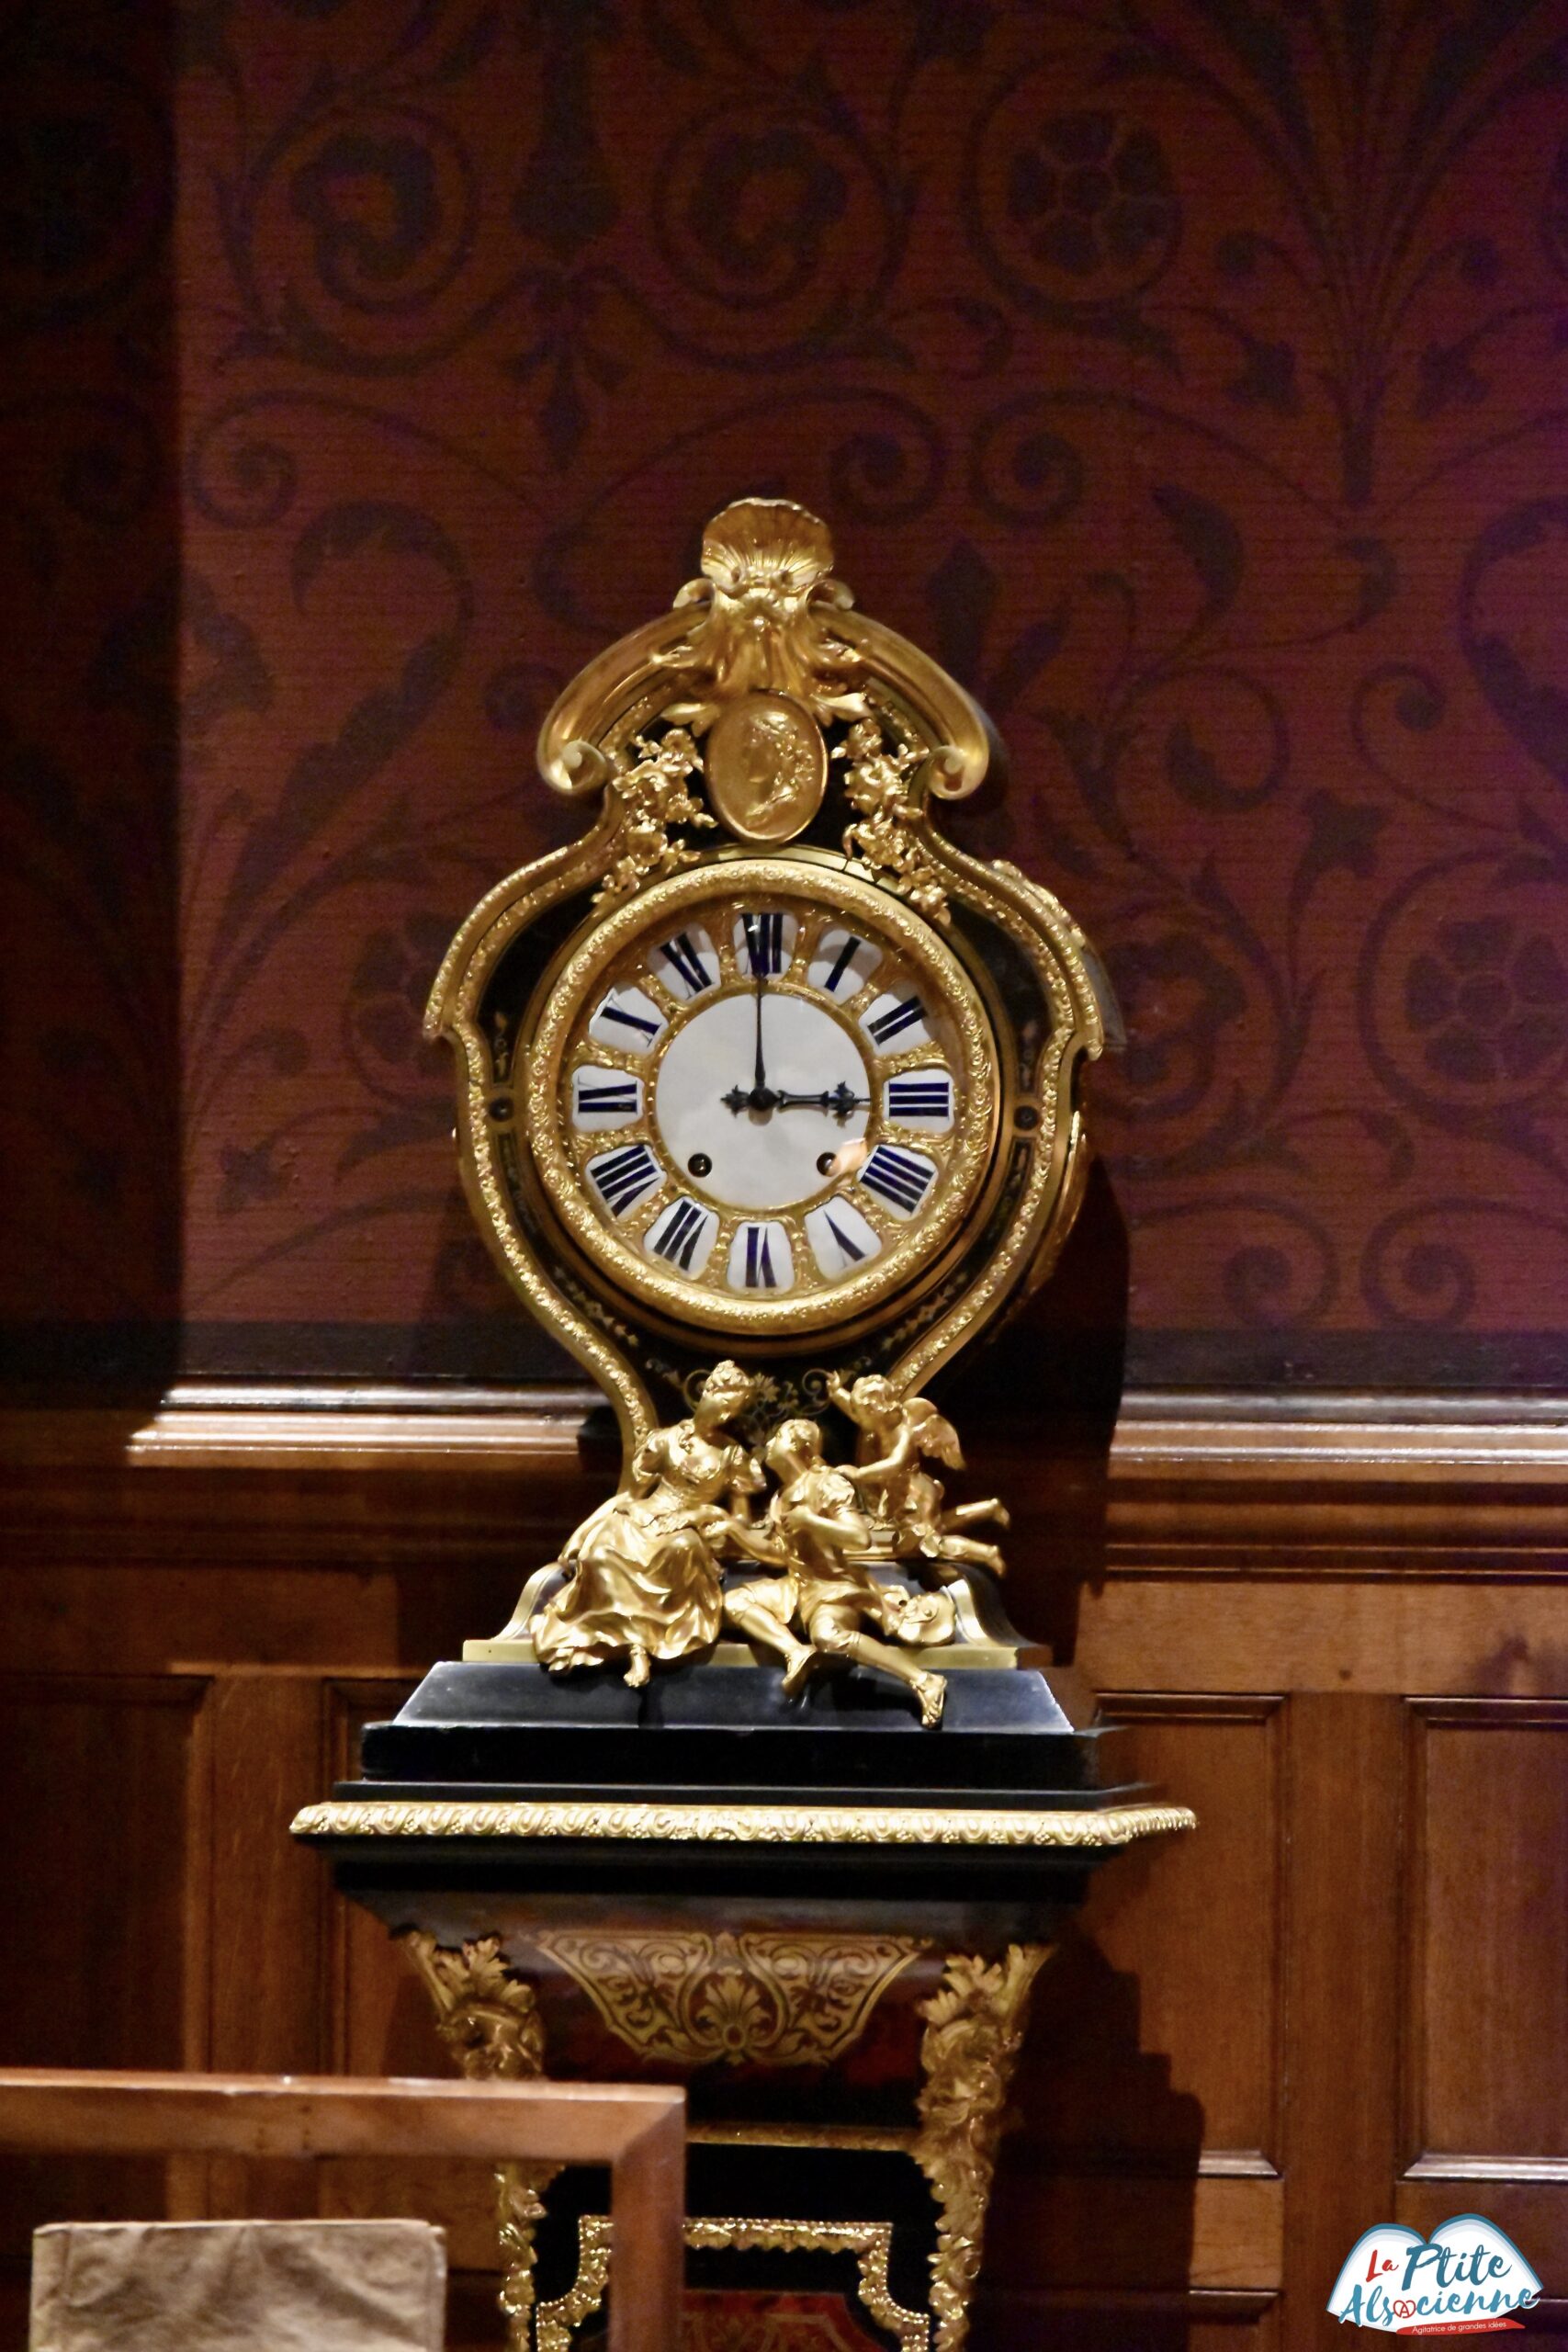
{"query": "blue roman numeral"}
{"type": "Point", "coordinates": [851, 1248]}
{"type": "Point", "coordinates": [841, 964]}
{"type": "Point", "coordinates": [918, 1097]}
{"type": "Point", "coordinates": [679, 954]}
{"type": "Point", "coordinates": [759, 1273]}
{"type": "Point", "coordinates": [608, 1011]}
{"type": "Point", "coordinates": [621, 1096]}
{"type": "Point", "coordinates": [676, 1234]}
{"type": "Point", "coordinates": [898, 1176]}
{"type": "Point", "coordinates": [764, 944]}
{"type": "Point", "coordinates": [626, 1175]}
{"type": "Point", "coordinates": [895, 1020]}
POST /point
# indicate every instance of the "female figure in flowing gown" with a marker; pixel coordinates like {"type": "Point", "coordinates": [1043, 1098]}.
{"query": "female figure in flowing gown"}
{"type": "Point", "coordinates": [647, 1573]}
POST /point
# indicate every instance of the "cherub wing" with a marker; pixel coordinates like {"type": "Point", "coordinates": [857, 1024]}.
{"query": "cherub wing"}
{"type": "Point", "coordinates": [933, 1432]}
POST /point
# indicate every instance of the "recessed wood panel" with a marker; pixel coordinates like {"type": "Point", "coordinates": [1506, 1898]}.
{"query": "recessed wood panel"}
{"type": "Point", "coordinates": [1534, 2214]}
{"type": "Point", "coordinates": [1142, 2232]}
{"type": "Point", "coordinates": [381, 2022]}
{"type": "Point", "coordinates": [1324, 1632]}
{"type": "Point", "coordinates": [101, 1816]}
{"type": "Point", "coordinates": [103, 1850]}
{"type": "Point", "coordinates": [1123, 2320]}
{"type": "Point", "coordinates": [1487, 1997]}
{"type": "Point", "coordinates": [1155, 2029]}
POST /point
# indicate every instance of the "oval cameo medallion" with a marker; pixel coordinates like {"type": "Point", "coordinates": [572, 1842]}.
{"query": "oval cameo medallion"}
{"type": "Point", "coordinates": [766, 767]}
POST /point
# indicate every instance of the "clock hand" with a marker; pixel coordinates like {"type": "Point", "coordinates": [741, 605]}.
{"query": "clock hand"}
{"type": "Point", "coordinates": [759, 1074]}
{"type": "Point", "coordinates": [759, 1095]}
{"type": "Point", "coordinates": [838, 1100]}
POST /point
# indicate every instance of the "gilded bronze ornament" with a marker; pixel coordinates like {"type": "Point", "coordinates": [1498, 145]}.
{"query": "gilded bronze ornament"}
{"type": "Point", "coordinates": [555, 2320]}
{"type": "Point", "coordinates": [869, 2242]}
{"type": "Point", "coordinates": [1057, 1827]}
{"type": "Point", "coordinates": [644, 1572]}
{"type": "Point", "coordinates": [898, 1435]}
{"type": "Point", "coordinates": [652, 789]}
{"type": "Point", "coordinates": [760, 1997]}
{"type": "Point", "coordinates": [489, 2020]}
{"type": "Point", "coordinates": [884, 840]}
{"type": "Point", "coordinates": [767, 767]}
{"type": "Point", "coordinates": [818, 1610]}
{"type": "Point", "coordinates": [974, 2025]}
{"type": "Point", "coordinates": [652, 1574]}
{"type": "Point", "coordinates": [762, 602]}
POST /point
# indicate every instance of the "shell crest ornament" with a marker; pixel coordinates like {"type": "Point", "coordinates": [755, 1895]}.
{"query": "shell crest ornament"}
{"type": "Point", "coordinates": [764, 1067]}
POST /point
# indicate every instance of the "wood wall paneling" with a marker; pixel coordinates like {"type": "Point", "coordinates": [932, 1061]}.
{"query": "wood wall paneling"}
{"type": "Point", "coordinates": [1341, 2001]}
{"type": "Point", "coordinates": [1486, 1996]}
{"type": "Point", "coordinates": [1485, 2006]}
{"type": "Point", "coordinates": [106, 1907]}
{"type": "Point", "coordinates": [1196, 1924]}
{"type": "Point", "coordinates": [1341, 1990]}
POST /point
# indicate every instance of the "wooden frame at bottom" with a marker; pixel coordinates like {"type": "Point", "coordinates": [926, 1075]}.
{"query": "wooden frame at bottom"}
{"type": "Point", "coordinates": [639, 2130]}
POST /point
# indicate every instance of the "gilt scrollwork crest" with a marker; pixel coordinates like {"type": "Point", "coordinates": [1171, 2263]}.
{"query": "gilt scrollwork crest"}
{"type": "Point", "coordinates": [765, 594]}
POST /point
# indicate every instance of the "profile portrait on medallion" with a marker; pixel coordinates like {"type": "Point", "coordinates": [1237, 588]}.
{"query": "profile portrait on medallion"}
{"type": "Point", "coordinates": [767, 767]}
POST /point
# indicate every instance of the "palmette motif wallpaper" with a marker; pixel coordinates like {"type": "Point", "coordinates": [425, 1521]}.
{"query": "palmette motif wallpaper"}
{"type": "Point", "coordinates": [1190, 376]}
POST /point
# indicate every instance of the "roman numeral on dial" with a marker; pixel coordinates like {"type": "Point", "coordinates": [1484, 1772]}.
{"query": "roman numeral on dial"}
{"type": "Point", "coordinates": [760, 1258]}
{"type": "Point", "coordinates": [622, 1177]}
{"type": "Point", "coordinates": [604, 1098]}
{"type": "Point", "coordinates": [842, 963]}
{"type": "Point", "coordinates": [920, 1098]}
{"type": "Point", "coordinates": [895, 1024]}
{"type": "Point", "coordinates": [683, 1236]}
{"type": "Point", "coordinates": [901, 1178]}
{"type": "Point", "coordinates": [629, 1019]}
{"type": "Point", "coordinates": [765, 944]}
{"type": "Point", "coordinates": [841, 1237]}
{"type": "Point", "coordinates": [687, 964]}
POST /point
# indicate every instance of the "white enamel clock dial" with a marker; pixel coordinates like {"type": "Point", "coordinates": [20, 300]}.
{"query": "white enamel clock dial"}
{"type": "Point", "coordinates": [763, 1096]}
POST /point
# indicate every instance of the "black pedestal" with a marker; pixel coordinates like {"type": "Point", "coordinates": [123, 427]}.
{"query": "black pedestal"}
{"type": "Point", "coordinates": [697, 1731]}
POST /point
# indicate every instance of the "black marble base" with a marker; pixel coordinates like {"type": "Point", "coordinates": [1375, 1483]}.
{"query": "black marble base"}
{"type": "Point", "coordinates": [697, 1731]}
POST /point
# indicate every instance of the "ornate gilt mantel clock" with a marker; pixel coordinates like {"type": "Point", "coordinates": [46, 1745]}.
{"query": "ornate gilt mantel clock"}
{"type": "Point", "coordinates": [768, 1105]}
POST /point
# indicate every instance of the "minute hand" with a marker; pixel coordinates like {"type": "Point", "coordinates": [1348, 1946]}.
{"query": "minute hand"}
{"type": "Point", "coordinates": [760, 1070]}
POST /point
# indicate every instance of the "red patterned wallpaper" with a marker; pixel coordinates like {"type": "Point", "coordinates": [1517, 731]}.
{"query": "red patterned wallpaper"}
{"type": "Point", "coordinates": [1192, 375]}
{"type": "Point", "coordinates": [89, 764]}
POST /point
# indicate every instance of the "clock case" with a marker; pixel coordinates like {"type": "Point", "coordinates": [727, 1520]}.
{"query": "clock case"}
{"type": "Point", "coordinates": [865, 739]}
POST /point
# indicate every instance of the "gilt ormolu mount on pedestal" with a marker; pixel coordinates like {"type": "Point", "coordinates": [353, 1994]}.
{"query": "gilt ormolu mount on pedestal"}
{"type": "Point", "coordinates": [759, 1787]}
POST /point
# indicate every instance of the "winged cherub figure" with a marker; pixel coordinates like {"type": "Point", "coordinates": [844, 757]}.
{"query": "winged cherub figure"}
{"type": "Point", "coordinates": [820, 1607]}
{"type": "Point", "coordinates": [910, 1513]}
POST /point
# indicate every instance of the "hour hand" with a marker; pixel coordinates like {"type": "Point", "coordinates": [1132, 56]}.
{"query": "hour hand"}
{"type": "Point", "coordinates": [838, 1100]}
